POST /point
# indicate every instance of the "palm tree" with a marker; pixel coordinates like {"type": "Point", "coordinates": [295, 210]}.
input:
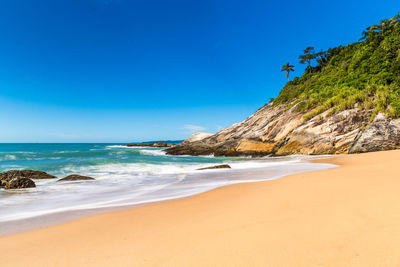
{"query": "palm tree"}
{"type": "Point", "coordinates": [288, 68]}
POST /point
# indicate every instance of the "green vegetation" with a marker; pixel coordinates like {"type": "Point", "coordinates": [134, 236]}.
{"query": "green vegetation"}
{"type": "Point", "coordinates": [366, 74]}
{"type": "Point", "coordinates": [288, 68]}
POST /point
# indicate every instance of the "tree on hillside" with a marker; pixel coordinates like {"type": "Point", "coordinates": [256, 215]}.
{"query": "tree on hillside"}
{"type": "Point", "coordinates": [364, 35]}
{"type": "Point", "coordinates": [365, 73]}
{"type": "Point", "coordinates": [321, 57]}
{"type": "Point", "coordinates": [309, 50]}
{"type": "Point", "coordinates": [288, 68]}
{"type": "Point", "coordinates": [384, 25]}
{"type": "Point", "coordinates": [309, 55]}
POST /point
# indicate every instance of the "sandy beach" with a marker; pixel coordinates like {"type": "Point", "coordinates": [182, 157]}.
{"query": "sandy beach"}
{"type": "Point", "coordinates": [346, 216]}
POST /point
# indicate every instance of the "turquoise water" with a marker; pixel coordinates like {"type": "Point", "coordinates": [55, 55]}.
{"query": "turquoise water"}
{"type": "Point", "coordinates": [124, 177]}
{"type": "Point", "coordinates": [61, 159]}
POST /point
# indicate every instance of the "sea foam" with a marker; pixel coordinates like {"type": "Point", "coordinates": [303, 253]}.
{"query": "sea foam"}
{"type": "Point", "coordinates": [126, 177]}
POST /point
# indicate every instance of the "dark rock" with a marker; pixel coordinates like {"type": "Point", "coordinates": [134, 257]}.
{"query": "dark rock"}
{"type": "Point", "coordinates": [9, 175]}
{"type": "Point", "coordinates": [157, 144]}
{"type": "Point", "coordinates": [3, 183]}
{"type": "Point", "coordinates": [223, 166]}
{"type": "Point", "coordinates": [139, 145]}
{"type": "Point", "coordinates": [75, 177]}
{"type": "Point", "coordinates": [18, 183]}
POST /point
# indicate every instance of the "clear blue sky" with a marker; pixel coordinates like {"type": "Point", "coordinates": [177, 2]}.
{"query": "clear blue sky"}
{"type": "Point", "coordinates": [120, 71]}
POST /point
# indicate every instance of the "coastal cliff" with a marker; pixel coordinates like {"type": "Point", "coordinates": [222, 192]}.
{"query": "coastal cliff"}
{"type": "Point", "coordinates": [277, 131]}
{"type": "Point", "coordinates": [348, 102]}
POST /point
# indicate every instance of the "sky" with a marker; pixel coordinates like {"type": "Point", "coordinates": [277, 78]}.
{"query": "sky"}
{"type": "Point", "coordinates": [127, 70]}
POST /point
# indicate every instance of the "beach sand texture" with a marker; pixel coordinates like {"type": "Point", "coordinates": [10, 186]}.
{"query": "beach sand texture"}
{"type": "Point", "coordinates": [347, 216]}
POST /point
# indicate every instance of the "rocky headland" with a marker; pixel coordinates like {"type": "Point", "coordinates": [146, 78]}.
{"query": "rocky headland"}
{"type": "Point", "coordinates": [346, 101]}
{"type": "Point", "coordinates": [275, 130]}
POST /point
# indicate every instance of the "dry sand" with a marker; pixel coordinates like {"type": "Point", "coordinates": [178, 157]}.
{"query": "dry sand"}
{"type": "Point", "coordinates": [347, 216]}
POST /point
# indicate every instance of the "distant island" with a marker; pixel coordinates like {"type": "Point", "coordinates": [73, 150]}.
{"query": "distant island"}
{"type": "Point", "coordinates": [346, 101]}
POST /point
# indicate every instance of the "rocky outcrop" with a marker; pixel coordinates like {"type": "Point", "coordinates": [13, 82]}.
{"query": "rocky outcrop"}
{"type": "Point", "coordinates": [6, 177]}
{"type": "Point", "coordinates": [276, 130]}
{"type": "Point", "coordinates": [382, 134]}
{"type": "Point", "coordinates": [196, 137]}
{"type": "Point", "coordinates": [222, 166]}
{"type": "Point", "coordinates": [75, 177]}
{"type": "Point", "coordinates": [157, 144]}
{"type": "Point", "coordinates": [19, 183]}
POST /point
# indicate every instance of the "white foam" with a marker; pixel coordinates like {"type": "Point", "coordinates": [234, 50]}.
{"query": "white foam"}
{"type": "Point", "coordinates": [117, 146]}
{"type": "Point", "coordinates": [119, 185]}
{"type": "Point", "coordinates": [153, 152]}
{"type": "Point", "coordinates": [8, 157]}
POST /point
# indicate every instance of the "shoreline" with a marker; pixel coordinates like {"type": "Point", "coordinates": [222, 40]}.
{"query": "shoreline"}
{"type": "Point", "coordinates": [237, 176]}
{"type": "Point", "coordinates": [346, 216]}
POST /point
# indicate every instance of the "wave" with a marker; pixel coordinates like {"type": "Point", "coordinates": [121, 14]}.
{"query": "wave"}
{"type": "Point", "coordinates": [124, 176]}
{"type": "Point", "coordinates": [116, 146]}
{"type": "Point", "coordinates": [9, 157]}
{"type": "Point", "coordinates": [121, 171]}
{"type": "Point", "coordinates": [109, 192]}
{"type": "Point", "coordinates": [17, 152]}
{"type": "Point", "coordinates": [153, 152]}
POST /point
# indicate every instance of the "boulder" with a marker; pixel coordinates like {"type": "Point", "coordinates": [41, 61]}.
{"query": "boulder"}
{"type": "Point", "coordinates": [19, 183]}
{"type": "Point", "coordinates": [75, 177]}
{"type": "Point", "coordinates": [30, 174]}
{"type": "Point", "coordinates": [223, 166]}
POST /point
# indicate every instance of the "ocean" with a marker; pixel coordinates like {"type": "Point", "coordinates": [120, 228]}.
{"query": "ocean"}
{"type": "Point", "coordinates": [125, 177]}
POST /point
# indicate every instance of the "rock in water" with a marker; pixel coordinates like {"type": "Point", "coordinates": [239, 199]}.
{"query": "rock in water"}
{"type": "Point", "coordinates": [75, 177]}
{"type": "Point", "coordinates": [18, 183]}
{"type": "Point", "coordinates": [223, 166]}
{"type": "Point", "coordinates": [157, 144]}
{"type": "Point", "coordinates": [9, 175]}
